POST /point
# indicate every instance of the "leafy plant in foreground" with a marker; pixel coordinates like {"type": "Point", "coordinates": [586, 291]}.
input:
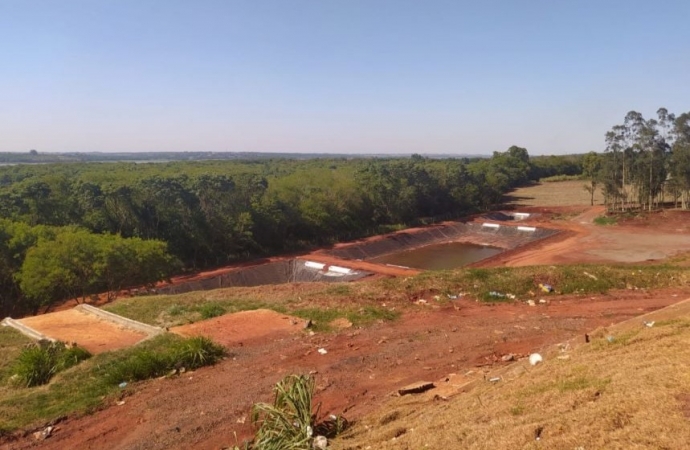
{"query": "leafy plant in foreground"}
{"type": "Point", "coordinates": [287, 424]}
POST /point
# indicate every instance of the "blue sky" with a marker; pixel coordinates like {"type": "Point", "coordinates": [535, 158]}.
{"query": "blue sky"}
{"type": "Point", "coordinates": [343, 76]}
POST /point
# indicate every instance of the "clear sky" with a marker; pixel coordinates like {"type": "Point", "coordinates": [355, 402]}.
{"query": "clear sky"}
{"type": "Point", "coordinates": [347, 76]}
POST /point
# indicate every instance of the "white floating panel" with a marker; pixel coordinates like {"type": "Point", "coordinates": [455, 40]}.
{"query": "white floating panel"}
{"type": "Point", "coordinates": [333, 274]}
{"type": "Point", "coordinates": [314, 265]}
{"type": "Point", "coordinates": [491, 225]}
{"type": "Point", "coordinates": [339, 269]}
{"type": "Point", "coordinates": [529, 229]}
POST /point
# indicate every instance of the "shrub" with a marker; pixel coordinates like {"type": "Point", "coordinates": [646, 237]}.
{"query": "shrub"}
{"type": "Point", "coordinates": [37, 363]}
{"type": "Point", "coordinates": [197, 352]}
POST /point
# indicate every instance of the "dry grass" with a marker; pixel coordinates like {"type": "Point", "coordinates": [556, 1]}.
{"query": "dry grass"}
{"type": "Point", "coordinates": [560, 193]}
{"type": "Point", "coordinates": [631, 393]}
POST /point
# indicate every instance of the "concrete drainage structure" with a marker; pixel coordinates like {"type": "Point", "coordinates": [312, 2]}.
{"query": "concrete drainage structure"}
{"type": "Point", "coordinates": [91, 328]}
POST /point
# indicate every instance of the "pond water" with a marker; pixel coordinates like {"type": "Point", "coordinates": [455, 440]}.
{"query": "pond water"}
{"type": "Point", "coordinates": [444, 256]}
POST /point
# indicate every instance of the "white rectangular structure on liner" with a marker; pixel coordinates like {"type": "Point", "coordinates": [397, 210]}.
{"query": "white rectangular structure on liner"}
{"type": "Point", "coordinates": [339, 269]}
{"type": "Point", "coordinates": [530, 229]}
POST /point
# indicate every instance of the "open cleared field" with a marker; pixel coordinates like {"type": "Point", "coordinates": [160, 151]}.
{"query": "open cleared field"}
{"type": "Point", "coordinates": [558, 193]}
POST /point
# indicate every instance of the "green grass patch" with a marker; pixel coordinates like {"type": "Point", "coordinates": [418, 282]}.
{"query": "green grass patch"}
{"type": "Point", "coordinates": [557, 178]}
{"type": "Point", "coordinates": [145, 363]}
{"type": "Point", "coordinates": [174, 310]}
{"type": "Point", "coordinates": [210, 310]}
{"type": "Point", "coordinates": [580, 382]}
{"type": "Point", "coordinates": [615, 340]}
{"type": "Point", "coordinates": [605, 220]}
{"type": "Point", "coordinates": [11, 344]}
{"type": "Point", "coordinates": [523, 282]}
{"type": "Point", "coordinates": [339, 289]}
{"type": "Point", "coordinates": [321, 317]}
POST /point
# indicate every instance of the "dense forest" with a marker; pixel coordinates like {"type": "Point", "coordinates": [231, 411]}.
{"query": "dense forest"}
{"type": "Point", "coordinates": [74, 229]}
{"type": "Point", "coordinates": [646, 162]}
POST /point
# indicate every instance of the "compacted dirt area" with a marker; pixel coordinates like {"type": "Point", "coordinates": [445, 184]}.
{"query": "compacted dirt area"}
{"type": "Point", "coordinates": [244, 327]}
{"type": "Point", "coordinates": [649, 237]}
{"type": "Point", "coordinates": [88, 331]}
{"type": "Point", "coordinates": [209, 408]}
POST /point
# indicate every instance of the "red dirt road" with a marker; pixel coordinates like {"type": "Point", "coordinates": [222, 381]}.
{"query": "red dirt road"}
{"type": "Point", "coordinates": [207, 408]}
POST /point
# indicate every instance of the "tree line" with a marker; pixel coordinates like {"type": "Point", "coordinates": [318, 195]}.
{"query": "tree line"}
{"type": "Point", "coordinates": [646, 161]}
{"type": "Point", "coordinates": [72, 230]}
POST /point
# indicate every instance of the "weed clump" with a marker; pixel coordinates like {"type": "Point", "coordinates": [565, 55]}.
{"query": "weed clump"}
{"type": "Point", "coordinates": [39, 362]}
{"type": "Point", "coordinates": [211, 310]}
{"type": "Point", "coordinates": [142, 363]}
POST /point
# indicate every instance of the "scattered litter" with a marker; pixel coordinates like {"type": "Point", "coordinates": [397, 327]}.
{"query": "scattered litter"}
{"type": "Point", "coordinates": [322, 351]}
{"type": "Point", "coordinates": [452, 297]}
{"type": "Point", "coordinates": [496, 294]}
{"type": "Point", "coordinates": [610, 339]}
{"type": "Point", "coordinates": [590, 275]}
{"type": "Point", "coordinates": [421, 301]}
{"type": "Point", "coordinates": [543, 302]}
{"type": "Point", "coordinates": [511, 296]}
{"type": "Point", "coordinates": [531, 303]}
{"type": "Point", "coordinates": [648, 324]}
{"type": "Point", "coordinates": [308, 324]}
{"type": "Point", "coordinates": [508, 357]}
{"type": "Point", "coordinates": [416, 388]}
{"type": "Point", "coordinates": [320, 443]}
{"type": "Point", "coordinates": [494, 379]}
{"type": "Point", "coordinates": [123, 385]}
{"type": "Point", "coordinates": [535, 358]}
{"type": "Point", "coordinates": [537, 433]}
{"type": "Point", "coordinates": [43, 434]}
{"type": "Point", "coordinates": [242, 419]}
{"type": "Point", "coordinates": [120, 403]}
{"type": "Point", "coordinates": [437, 297]}
{"type": "Point", "coordinates": [546, 287]}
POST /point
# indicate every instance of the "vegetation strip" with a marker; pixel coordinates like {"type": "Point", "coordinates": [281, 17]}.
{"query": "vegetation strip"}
{"type": "Point", "coordinates": [88, 385]}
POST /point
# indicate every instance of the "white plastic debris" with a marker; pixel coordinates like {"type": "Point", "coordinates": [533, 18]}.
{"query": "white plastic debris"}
{"type": "Point", "coordinates": [322, 351]}
{"type": "Point", "coordinates": [320, 443]}
{"type": "Point", "coordinates": [649, 324]}
{"type": "Point", "coordinates": [535, 358]}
